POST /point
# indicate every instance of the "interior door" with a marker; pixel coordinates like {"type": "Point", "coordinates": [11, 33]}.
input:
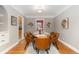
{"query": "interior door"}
{"type": "Point", "coordinates": [20, 27]}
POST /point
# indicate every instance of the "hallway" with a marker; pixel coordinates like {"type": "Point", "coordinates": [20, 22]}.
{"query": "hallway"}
{"type": "Point", "coordinates": [16, 21]}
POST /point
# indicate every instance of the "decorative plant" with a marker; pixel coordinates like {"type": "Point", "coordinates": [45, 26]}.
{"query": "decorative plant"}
{"type": "Point", "coordinates": [48, 24]}
{"type": "Point", "coordinates": [30, 24]}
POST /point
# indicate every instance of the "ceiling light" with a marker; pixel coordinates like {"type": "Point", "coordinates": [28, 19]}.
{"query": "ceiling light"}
{"type": "Point", "coordinates": [39, 11]}
{"type": "Point", "coordinates": [39, 7]}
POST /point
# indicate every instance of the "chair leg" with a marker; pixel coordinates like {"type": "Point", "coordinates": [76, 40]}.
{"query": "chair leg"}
{"type": "Point", "coordinates": [49, 47]}
{"type": "Point", "coordinates": [33, 45]}
{"type": "Point", "coordinates": [26, 46]}
{"type": "Point", "coordinates": [53, 43]}
{"type": "Point", "coordinates": [56, 45]}
{"type": "Point", "coordinates": [47, 51]}
{"type": "Point", "coordinates": [37, 50]}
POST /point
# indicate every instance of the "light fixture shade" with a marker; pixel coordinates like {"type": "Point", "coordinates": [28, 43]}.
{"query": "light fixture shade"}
{"type": "Point", "coordinates": [39, 11]}
{"type": "Point", "coordinates": [39, 8]}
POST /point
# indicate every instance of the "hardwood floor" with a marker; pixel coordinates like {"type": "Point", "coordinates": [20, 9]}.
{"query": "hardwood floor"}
{"type": "Point", "coordinates": [19, 49]}
{"type": "Point", "coordinates": [63, 49]}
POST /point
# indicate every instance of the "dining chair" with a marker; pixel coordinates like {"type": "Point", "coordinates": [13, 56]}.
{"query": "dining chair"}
{"type": "Point", "coordinates": [28, 38]}
{"type": "Point", "coordinates": [54, 38]}
{"type": "Point", "coordinates": [42, 44]}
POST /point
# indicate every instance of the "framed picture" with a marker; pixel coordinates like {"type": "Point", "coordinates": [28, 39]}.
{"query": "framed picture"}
{"type": "Point", "coordinates": [65, 23]}
{"type": "Point", "coordinates": [40, 25]}
{"type": "Point", "coordinates": [13, 20]}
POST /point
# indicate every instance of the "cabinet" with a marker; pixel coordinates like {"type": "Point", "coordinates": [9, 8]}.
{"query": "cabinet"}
{"type": "Point", "coordinates": [4, 38]}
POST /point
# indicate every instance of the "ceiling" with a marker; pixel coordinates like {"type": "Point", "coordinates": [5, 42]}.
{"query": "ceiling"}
{"type": "Point", "coordinates": [49, 11]}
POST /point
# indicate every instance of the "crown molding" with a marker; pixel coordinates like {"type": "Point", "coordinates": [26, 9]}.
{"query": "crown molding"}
{"type": "Point", "coordinates": [64, 9]}
{"type": "Point", "coordinates": [39, 16]}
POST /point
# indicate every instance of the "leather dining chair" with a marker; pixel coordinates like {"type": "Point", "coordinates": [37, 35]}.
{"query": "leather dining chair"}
{"type": "Point", "coordinates": [28, 38]}
{"type": "Point", "coordinates": [42, 44]}
{"type": "Point", "coordinates": [54, 38]}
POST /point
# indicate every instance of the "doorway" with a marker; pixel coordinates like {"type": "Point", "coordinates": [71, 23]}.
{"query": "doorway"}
{"type": "Point", "coordinates": [40, 26]}
{"type": "Point", "coordinates": [20, 27]}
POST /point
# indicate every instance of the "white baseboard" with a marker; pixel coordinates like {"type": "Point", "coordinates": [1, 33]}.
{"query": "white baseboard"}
{"type": "Point", "coordinates": [8, 48]}
{"type": "Point", "coordinates": [74, 49]}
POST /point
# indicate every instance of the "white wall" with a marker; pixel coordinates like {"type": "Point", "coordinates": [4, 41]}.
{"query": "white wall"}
{"type": "Point", "coordinates": [51, 28]}
{"type": "Point", "coordinates": [3, 19]}
{"type": "Point", "coordinates": [28, 28]}
{"type": "Point", "coordinates": [33, 28]}
{"type": "Point", "coordinates": [3, 26]}
{"type": "Point", "coordinates": [71, 35]}
{"type": "Point", "coordinates": [13, 30]}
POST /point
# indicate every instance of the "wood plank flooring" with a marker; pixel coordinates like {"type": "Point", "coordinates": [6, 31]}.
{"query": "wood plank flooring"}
{"type": "Point", "coordinates": [63, 49]}
{"type": "Point", "coordinates": [19, 49]}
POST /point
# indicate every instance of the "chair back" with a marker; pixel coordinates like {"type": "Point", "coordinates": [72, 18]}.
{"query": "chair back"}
{"type": "Point", "coordinates": [28, 37]}
{"type": "Point", "coordinates": [54, 36]}
{"type": "Point", "coordinates": [42, 43]}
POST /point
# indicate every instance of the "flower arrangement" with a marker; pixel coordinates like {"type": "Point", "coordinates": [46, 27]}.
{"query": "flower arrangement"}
{"type": "Point", "coordinates": [30, 24]}
{"type": "Point", "coordinates": [48, 24]}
